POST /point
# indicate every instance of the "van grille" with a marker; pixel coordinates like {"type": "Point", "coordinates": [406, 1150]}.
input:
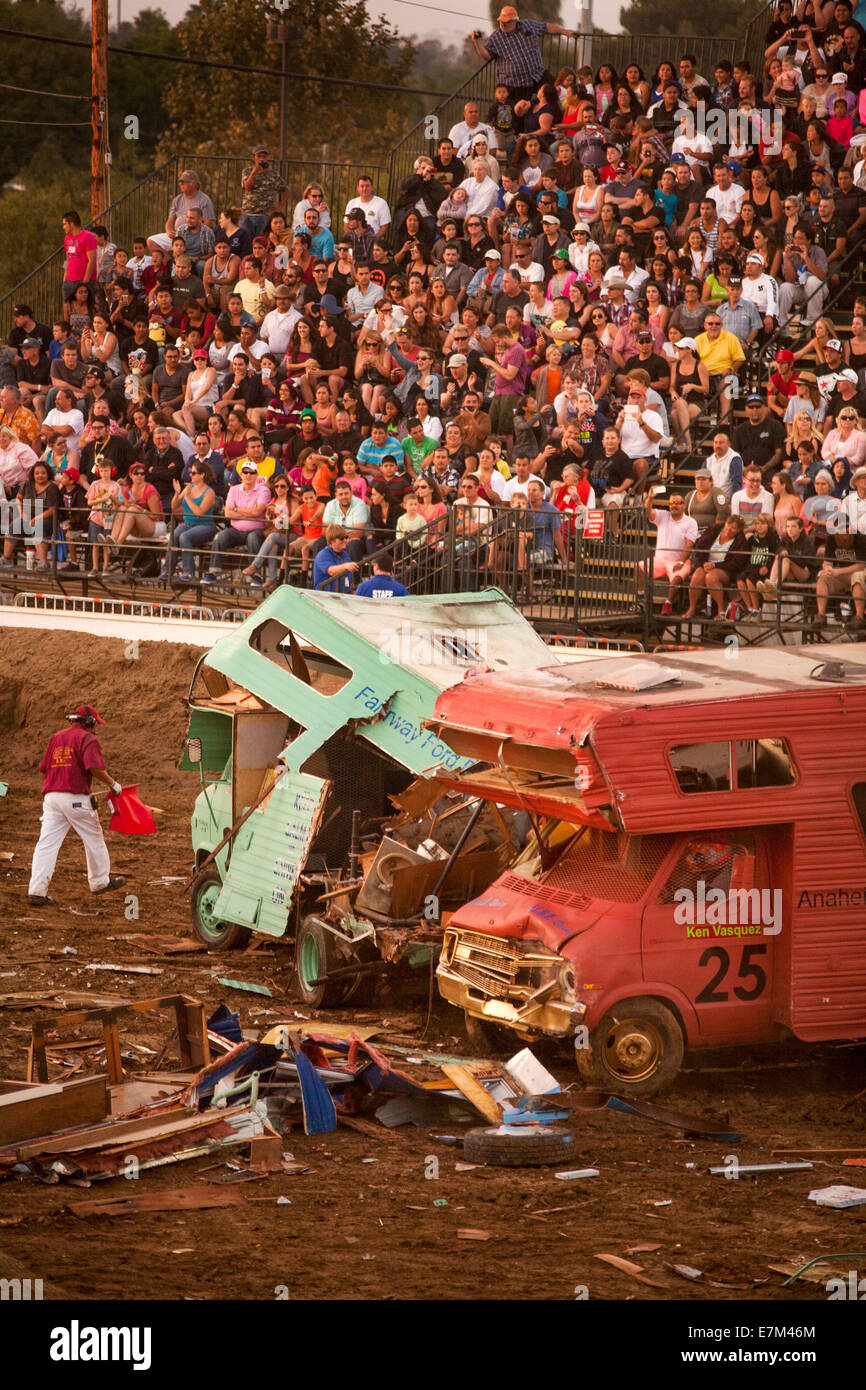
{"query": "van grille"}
{"type": "Point", "coordinates": [544, 892]}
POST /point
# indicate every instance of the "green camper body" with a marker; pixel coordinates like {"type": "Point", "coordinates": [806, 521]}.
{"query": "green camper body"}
{"type": "Point", "coordinates": [274, 738]}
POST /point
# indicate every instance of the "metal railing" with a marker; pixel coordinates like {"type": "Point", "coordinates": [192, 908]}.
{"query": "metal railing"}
{"type": "Point", "coordinates": [144, 209]}
{"type": "Point", "coordinates": [558, 51]}
{"type": "Point", "coordinates": [755, 38]}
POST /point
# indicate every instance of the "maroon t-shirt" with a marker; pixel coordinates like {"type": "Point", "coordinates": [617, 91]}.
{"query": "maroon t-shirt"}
{"type": "Point", "coordinates": [68, 760]}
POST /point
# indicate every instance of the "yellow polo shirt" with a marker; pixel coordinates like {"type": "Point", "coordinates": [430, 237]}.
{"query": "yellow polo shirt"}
{"type": "Point", "coordinates": [722, 355]}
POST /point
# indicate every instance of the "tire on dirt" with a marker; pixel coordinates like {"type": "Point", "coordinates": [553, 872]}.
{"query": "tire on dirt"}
{"type": "Point", "coordinates": [651, 1032]}
{"type": "Point", "coordinates": [518, 1150]}
{"type": "Point", "coordinates": [487, 1039]}
{"type": "Point", "coordinates": [316, 954]}
{"type": "Point", "coordinates": [217, 936]}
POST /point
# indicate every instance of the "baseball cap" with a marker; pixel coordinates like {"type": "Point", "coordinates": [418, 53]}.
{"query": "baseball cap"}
{"type": "Point", "coordinates": [248, 467]}
{"type": "Point", "coordinates": [735, 166]}
{"type": "Point", "coordinates": [199, 352]}
{"type": "Point", "coordinates": [750, 400]}
{"type": "Point", "coordinates": [329, 305]}
{"type": "Point", "coordinates": [549, 217]}
{"type": "Point", "coordinates": [22, 309]}
{"type": "Point", "coordinates": [839, 77]}
{"type": "Point", "coordinates": [492, 255]}
{"type": "Point", "coordinates": [561, 254]}
{"type": "Point", "coordinates": [678, 158]}
{"type": "Point", "coordinates": [190, 174]}
{"type": "Point", "coordinates": [73, 474]}
{"type": "Point", "coordinates": [847, 375]}
{"type": "Point", "coordinates": [784, 355]}
{"type": "Point", "coordinates": [31, 343]}
{"type": "Point", "coordinates": [834, 344]}
{"type": "Point", "coordinates": [507, 13]}
{"type": "Point", "coordinates": [457, 359]}
{"type": "Point", "coordinates": [260, 149]}
{"type": "Point", "coordinates": [644, 337]}
{"type": "Point", "coordinates": [703, 473]}
{"type": "Point", "coordinates": [86, 712]}
{"type": "Point", "coordinates": [686, 343]}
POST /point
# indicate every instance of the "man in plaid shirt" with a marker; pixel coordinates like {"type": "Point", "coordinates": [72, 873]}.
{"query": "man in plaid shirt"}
{"type": "Point", "coordinates": [514, 45]}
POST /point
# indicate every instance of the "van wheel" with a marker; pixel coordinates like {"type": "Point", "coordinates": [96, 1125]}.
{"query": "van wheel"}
{"type": "Point", "coordinates": [316, 954]}
{"type": "Point", "coordinates": [504, 1147]}
{"type": "Point", "coordinates": [485, 1037]}
{"type": "Point", "coordinates": [218, 936]}
{"type": "Point", "coordinates": [636, 1049]}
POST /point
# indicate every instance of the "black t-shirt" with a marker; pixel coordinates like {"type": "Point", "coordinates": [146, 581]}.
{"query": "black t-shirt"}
{"type": "Point", "coordinates": [250, 390]}
{"type": "Point", "coordinates": [757, 443]}
{"type": "Point", "coordinates": [330, 358]}
{"type": "Point", "coordinates": [380, 272]}
{"type": "Point", "coordinates": [117, 449]}
{"type": "Point", "coordinates": [39, 374]}
{"type": "Point", "coordinates": [39, 330]}
{"type": "Point", "coordinates": [827, 233]}
{"type": "Point", "coordinates": [856, 402]}
{"type": "Point", "coordinates": [296, 445]}
{"type": "Point", "coordinates": [654, 364]}
{"type": "Point", "coordinates": [451, 174]}
{"type": "Point", "coordinates": [556, 462]}
{"type": "Point", "coordinates": [691, 193]}
{"type": "Point", "coordinates": [144, 355]}
{"type": "Point", "coordinates": [348, 443]}
{"type": "Point", "coordinates": [848, 207]}
{"type": "Point", "coordinates": [613, 471]}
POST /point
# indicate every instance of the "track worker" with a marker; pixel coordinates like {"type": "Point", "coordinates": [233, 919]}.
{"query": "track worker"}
{"type": "Point", "coordinates": [73, 756]}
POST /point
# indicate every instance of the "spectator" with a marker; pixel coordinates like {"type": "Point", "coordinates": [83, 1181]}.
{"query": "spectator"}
{"type": "Point", "coordinates": [264, 192]}
{"type": "Point", "coordinates": [676, 535]}
{"type": "Point", "coordinates": [331, 570]}
{"type": "Point", "coordinates": [245, 508]}
{"type": "Point", "coordinates": [514, 47]}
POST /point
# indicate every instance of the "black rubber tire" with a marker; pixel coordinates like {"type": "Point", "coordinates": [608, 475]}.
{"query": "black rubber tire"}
{"type": "Point", "coordinates": [316, 953]}
{"type": "Point", "coordinates": [519, 1150]}
{"type": "Point", "coordinates": [486, 1038]}
{"type": "Point", "coordinates": [665, 1046]}
{"type": "Point", "coordinates": [222, 936]}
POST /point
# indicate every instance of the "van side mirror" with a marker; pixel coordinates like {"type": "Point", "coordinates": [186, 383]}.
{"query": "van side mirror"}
{"type": "Point", "coordinates": [193, 750]}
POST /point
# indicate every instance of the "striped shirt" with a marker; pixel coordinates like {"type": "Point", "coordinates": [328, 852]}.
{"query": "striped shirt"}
{"type": "Point", "coordinates": [518, 58]}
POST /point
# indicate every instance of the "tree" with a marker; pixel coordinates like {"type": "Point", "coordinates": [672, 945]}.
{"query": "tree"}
{"type": "Point", "coordinates": [219, 112]}
{"type": "Point", "coordinates": [729, 18]}
{"type": "Point", "coordinates": [550, 11]}
{"type": "Point", "coordinates": [136, 85]}
{"type": "Point", "coordinates": [44, 67]}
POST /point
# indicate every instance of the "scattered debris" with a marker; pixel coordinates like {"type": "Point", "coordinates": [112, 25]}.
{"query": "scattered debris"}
{"type": "Point", "coordinates": [244, 985]}
{"type": "Point", "coordinates": [125, 969]}
{"type": "Point", "coordinates": [467, 1233]}
{"type": "Point", "coordinates": [577, 1173]}
{"type": "Point", "coordinates": [752, 1170]}
{"type": "Point", "coordinates": [183, 1199]}
{"type": "Point", "coordinates": [646, 1248]}
{"type": "Point", "coordinates": [839, 1196]}
{"type": "Point", "coordinates": [518, 1147]}
{"type": "Point", "coordinates": [163, 945]}
{"type": "Point", "coordinates": [860, 1150]}
{"type": "Point", "coordinates": [635, 1271]}
{"type": "Point", "coordinates": [688, 1271]}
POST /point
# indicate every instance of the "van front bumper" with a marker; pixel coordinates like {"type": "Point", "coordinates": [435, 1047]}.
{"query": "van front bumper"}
{"type": "Point", "coordinates": [516, 984]}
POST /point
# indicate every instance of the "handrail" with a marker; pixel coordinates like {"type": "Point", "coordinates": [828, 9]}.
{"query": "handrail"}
{"type": "Point", "coordinates": [854, 256]}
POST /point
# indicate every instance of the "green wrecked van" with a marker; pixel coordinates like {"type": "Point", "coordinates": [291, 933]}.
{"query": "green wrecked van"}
{"type": "Point", "coordinates": [318, 782]}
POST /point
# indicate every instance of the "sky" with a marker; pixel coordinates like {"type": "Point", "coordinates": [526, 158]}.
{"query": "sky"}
{"type": "Point", "coordinates": [450, 22]}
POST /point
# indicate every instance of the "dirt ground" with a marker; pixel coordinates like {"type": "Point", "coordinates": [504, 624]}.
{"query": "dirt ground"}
{"type": "Point", "coordinates": [373, 1229]}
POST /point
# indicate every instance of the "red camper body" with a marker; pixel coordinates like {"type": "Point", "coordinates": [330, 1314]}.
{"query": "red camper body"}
{"type": "Point", "coordinates": [697, 875]}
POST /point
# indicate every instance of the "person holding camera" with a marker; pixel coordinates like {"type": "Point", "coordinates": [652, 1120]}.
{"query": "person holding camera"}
{"type": "Point", "coordinates": [514, 47]}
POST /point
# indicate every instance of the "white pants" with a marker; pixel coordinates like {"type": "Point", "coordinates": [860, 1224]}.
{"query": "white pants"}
{"type": "Point", "coordinates": [814, 290]}
{"type": "Point", "coordinates": [62, 812]}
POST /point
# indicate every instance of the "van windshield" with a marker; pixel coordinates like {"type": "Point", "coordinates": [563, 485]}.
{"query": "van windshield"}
{"type": "Point", "coordinates": [618, 868]}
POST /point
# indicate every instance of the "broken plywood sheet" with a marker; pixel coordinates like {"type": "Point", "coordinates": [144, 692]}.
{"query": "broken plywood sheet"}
{"type": "Point", "coordinates": [181, 1199]}
{"type": "Point", "coordinates": [29, 1109]}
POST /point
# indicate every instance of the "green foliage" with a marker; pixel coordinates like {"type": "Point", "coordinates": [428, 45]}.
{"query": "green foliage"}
{"type": "Point", "coordinates": [211, 112]}
{"type": "Point", "coordinates": [729, 18]}
{"type": "Point", "coordinates": [135, 82]}
{"type": "Point", "coordinates": [50, 68]}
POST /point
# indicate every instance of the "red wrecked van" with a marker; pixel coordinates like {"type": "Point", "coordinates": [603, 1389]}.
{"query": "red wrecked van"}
{"type": "Point", "coordinates": [695, 874]}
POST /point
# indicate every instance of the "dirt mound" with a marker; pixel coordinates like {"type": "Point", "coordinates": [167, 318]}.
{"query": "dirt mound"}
{"type": "Point", "coordinates": [140, 688]}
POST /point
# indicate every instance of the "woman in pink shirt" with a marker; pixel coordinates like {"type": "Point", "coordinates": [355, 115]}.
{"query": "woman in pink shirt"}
{"type": "Point", "coordinates": [847, 440]}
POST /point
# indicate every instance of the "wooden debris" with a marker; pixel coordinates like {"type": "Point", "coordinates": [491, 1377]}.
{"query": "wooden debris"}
{"type": "Point", "coordinates": [182, 1199]}
{"type": "Point", "coordinates": [633, 1270]}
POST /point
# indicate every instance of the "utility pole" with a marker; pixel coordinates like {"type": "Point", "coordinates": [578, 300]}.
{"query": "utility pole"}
{"type": "Point", "coordinates": [283, 34]}
{"type": "Point", "coordinates": [99, 103]}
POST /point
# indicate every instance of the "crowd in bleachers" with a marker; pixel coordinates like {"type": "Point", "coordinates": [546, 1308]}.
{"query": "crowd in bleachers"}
{"type": "Point", "coordinates": [574, 283]}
